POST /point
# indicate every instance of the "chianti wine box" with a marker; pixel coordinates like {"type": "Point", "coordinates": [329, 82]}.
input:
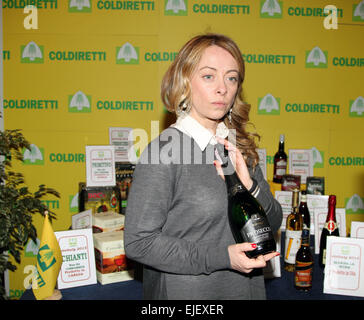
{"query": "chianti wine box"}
{"type": "Point", "coordinates": [107, 221]}
{"type": "Point", "coordinates": [124, 177]}
{"type": "Point", "coordinates": [111, 262]}
{"type": "Point", "coordinates": [99, 199]}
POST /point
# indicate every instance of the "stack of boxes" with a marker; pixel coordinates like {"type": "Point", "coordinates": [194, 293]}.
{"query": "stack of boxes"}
{"type": "Point", "coordinates": [108, 206]}
{"type": "Point", "coordinates": [111, 262]}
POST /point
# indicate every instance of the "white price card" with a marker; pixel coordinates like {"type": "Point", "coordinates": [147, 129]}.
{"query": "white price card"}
{"type": "Point", "coordinates": [100, 166]}
{"type": "Point", "coordinates": [82, 220]}
{"type": "Point", "coordinates": [262, 153]}
{"type": "Point", "coordinates": [344, 266]}
{"type": "Point", "coordinates": [78, 266]}
{"type": "Point", "coordinates": [320, 216]}
{"type": "Point", "coordinates": [357, 229]}
{"type": "Point", "coordinates": [122, 139]}
{"type": "Point", "coordinates": [314, 202]}
{"type": "Point", "coordinates": [301, 163]}
{"type": "Point", "coordinates": [285, 200]}
{"type": "Point", "coordinates": [273, 267]}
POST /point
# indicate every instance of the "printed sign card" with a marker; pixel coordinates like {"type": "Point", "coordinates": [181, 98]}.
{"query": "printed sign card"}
{"type": "Point", "coordinates": [285, 200]}
{"type": "Point", "coordinates": [357, 229]}
{"type": "Point", "coordinates": [100, 166]}
{"type": "Point", "coordinates": [82, 220]}
{"type": "Point", "coordinates": [301, 163]}
{"type": "Point", "coordinates": [316, 202]}
{"type": "Point", "coordinates": [273, 267]}
{"type": "Point", "coordinates": [122, 139]}
{"type": "Point", "coordinates": [78, 266]}
{"type": "Point", "coordinates": [320, 219]}
{"type": "Point", "coordinates": [344, 266]}
{"type": "Point", "coordinates": [262, 153]}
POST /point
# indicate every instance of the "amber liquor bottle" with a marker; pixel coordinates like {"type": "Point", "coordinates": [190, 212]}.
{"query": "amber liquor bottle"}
{"type": "Point", "coordinates": [294, 225]}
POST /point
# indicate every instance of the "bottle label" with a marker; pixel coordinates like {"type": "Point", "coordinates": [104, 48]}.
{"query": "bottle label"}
{"type": "Point", "coordinates": [281, 168]}
{"type": "Point", "coordinates": [331, 226]}
{"type": "Point", "coordinates": [303, 274]}
{"type": "Point", "coordinates": [293, 243]}
{"type": "Point", "coordinates": [257, 229]}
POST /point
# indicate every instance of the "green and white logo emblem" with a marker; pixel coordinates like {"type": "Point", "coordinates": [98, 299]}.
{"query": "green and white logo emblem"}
{"type": "Point", "coordinates": [127, 54]}
{"type": "Point", "coordinates": [79, 6]}
{"type": "Point", "coordinates": [316, 58]}
{"type": "Point", "coordinates": [358, 11]}
{"type": "Point", "coordinates": [73, 203]}
{"type": "Point", "coordinates": [79, 102]}
{"type": "Point", "coordinates": [31, 53]}
{"type": "Point", "coordinates": [354, 205]}
{"type": "Point", "coordinates": [31, 249]}
{"type": "Point", "coordinates": [271, 9]}
{"type": "Point", "coordinates": [175, 8]}
{"type": "Point", "coordinates": [269, 105]}
{"type": "Point", "coordinates": [357, 107]}
{"type": "Point", "coordinates": [33, 156]}
{"type": "Point", "coordinates": [318, 158]}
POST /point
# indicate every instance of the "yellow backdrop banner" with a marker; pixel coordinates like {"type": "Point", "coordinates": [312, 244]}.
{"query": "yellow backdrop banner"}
{"type": "Point", "coordinates": [72, 69]}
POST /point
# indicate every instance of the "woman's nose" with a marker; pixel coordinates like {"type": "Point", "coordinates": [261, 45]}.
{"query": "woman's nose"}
{"type": "Point", "coordinates": [221, 86]}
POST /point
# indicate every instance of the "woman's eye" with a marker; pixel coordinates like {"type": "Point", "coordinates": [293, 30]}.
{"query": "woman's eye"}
{"type": "Point", "coordinates": [207, 76]}
{"type": "Point", "coordinates": [233, 79]}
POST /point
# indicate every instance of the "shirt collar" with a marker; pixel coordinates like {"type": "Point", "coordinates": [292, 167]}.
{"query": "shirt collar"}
{"type": "Point", "coordinates": [198, 132]}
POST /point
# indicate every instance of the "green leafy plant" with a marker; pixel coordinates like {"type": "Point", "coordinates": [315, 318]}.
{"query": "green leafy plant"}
{"type": "Point", "coordinates": [18, 204]}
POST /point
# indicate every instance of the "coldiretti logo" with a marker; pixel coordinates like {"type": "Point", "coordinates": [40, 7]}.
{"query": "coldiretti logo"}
{"type": "Point", "coordinates": [269, 105]}
{"type": "Point", "coordinates": [271, 9]}
{"type": "Point", "coordinates": [357, 107]}
{"type": "Point", "coordinates": [346, 161]}
{"type": "Point", "coordinates": [175, 8]}
{"type": "Point", "coordinates": [33, 156]}
{"type": "Point", "coordinates": [79, 102]}
{"type": "Point", "coordinates": [31, 53]}
{"type": "Point", "coordinates": [73, 203]}
{"type": "Point", "coordinates": [79, 6]}
{"type": "Point", "coordinates": [127, 54]}
{"type": "Point", "coordinates": [358, 11]}
{"type": "Point", "coordinates": [318, 158]}
{"type": "Point", "coordinates": [21, 4]}
{"type": "Point", "coordinates": [354, 205]}
{"type": "Point", "coordinates": [316, 58]}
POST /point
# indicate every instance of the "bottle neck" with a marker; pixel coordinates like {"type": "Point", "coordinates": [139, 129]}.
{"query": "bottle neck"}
{"type": "Point", "coordinates": [331, 216]}
{"type": "Point", "coordinates": [281, 146]}
{"type": "Point", "coordinates": [305, 237]}
{"type": "Point", "coordinates": [233, 183]}
{"type": "Point", "coordinates": [232, 180]}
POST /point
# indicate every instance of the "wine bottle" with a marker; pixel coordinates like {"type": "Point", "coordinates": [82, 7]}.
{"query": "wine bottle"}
{"type": "Point", "coordinates": [330, 229]}
{"type": "Point", "coordinates": [293, 234]}
{"type": "Point", "coordinates": [280, 162]}
{"type": "Point", "coordinates": [304, 258]}
{"type": "Point", "coordinates": [247, 218]}
{"type": "Point", "coordinates": [305, 213]}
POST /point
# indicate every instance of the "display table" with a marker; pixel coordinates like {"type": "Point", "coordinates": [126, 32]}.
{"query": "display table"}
{"type": "Point", "coordinates": [277, 288]}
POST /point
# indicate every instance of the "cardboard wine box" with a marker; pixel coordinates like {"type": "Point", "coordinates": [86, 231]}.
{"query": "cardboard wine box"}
{"type": "Point", "coordinates": [107, 221]}
{"type": "Point", "coordinates": [315, 185]}
{"type": "Point", "coordinates": [99, 199]}
{"type": "Point", "coordinates": [111, 262]}
{"type": "Point", "coordinates": [124, 177]}
{"type": "Point", "coordinates": [291, 182]}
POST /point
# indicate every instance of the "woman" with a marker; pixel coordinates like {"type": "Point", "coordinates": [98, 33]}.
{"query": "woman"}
{"type": "Point", "coordinates": [176, 220]}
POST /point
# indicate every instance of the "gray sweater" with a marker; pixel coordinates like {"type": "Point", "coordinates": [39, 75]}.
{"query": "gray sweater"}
{"type": "Point", "coordinates": [176, 224]}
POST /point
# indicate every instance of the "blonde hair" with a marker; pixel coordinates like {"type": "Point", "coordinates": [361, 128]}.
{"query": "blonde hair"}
{"type": "Point", "coordinates": [176, 89]}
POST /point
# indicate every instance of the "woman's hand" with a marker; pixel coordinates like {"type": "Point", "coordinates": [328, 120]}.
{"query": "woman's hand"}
{"type": "Point", "coordinates": [238, 162]}
{"type": "Point", "coordinates": [240, 262]}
